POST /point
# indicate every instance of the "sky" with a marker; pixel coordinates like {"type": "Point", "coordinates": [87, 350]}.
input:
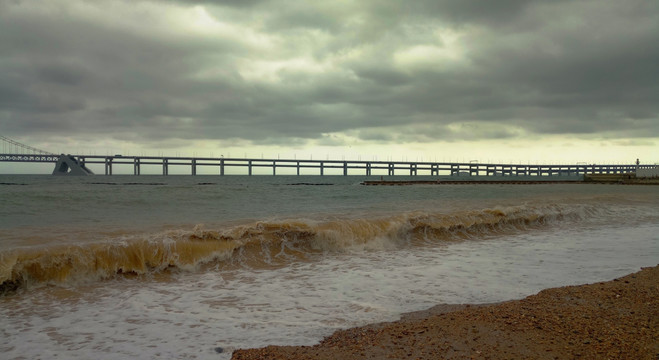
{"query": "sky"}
{"type": "Point", "coordinates": [514, 81]}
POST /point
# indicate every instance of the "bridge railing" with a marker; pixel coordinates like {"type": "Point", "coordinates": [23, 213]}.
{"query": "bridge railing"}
{"type": "Point", "coordinates": [29, 157]}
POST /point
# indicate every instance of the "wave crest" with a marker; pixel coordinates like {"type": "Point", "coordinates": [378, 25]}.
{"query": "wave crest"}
{"type": "Point", "coordinates": [264, 244]}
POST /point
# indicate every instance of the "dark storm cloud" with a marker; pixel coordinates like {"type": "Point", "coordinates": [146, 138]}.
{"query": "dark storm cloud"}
{"type": "Point", "coordinates": [275, 71]}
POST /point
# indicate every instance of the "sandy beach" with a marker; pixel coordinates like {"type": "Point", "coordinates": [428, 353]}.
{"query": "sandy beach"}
{"type": "Point", "coordinates": [618, 319]}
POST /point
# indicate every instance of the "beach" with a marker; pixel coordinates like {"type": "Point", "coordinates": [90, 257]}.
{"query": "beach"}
{"type": "Point", "coordinates": [618, 319]}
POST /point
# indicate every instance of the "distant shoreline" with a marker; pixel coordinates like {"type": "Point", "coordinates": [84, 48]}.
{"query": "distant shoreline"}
{"type": "Point", "coordinates": [466, 182]}
{"type": "Point", "coordinates": [494, 182]}
{"type": "Point", "coordinates": [613, 181]}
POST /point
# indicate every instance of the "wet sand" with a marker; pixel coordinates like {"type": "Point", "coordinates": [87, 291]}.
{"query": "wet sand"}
{"type": "Point", "coordinates": [618, 319]}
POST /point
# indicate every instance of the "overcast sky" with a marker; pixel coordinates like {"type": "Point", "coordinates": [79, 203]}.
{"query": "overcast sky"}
{"type": "Point", "coordinates": [506, 80]}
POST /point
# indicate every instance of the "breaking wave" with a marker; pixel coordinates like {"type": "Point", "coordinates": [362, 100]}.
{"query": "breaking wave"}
{"type": "Point", "coordinates": [266, 244]}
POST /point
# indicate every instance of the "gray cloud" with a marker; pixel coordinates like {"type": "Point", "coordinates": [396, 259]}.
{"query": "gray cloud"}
{"type": "Point", "coordinates": [277, 72]}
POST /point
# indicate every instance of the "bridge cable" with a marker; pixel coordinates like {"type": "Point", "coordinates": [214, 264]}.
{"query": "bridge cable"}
{"type": "Point", "coordinates": [23, 146]}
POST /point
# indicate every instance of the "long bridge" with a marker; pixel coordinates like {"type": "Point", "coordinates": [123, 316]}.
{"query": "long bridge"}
{"type": "Point", "coordinates": [77, 165]}
{"type": "Point", "coordinates": [322, 166]}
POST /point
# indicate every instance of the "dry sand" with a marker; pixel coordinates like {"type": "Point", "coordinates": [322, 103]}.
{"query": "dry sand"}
{"type": "Point", "coordinates": [617, 319]}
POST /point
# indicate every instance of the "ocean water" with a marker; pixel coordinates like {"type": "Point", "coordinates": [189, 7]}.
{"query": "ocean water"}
{"type": "Point", "coordinates": [116, 267]}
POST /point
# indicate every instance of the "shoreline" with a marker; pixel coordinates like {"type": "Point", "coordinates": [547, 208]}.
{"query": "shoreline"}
{"type": "Point", "coordinates": [617, 319]}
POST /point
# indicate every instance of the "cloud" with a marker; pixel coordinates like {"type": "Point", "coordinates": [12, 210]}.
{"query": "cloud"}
{"type": "Point", "coordinates": [281, 73]}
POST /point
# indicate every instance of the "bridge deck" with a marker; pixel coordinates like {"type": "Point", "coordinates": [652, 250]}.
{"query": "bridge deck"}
{"type": "Point", "coordinates": [346, 167]}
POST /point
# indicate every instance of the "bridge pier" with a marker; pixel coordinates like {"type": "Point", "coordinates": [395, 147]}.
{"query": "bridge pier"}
{"type": "Point", "coordinates": [473, 170]}
{"type": "Point", "coordinates": [68, 165]}
{"type": "Point", "coordinates": [222, 167]}
{"type": "Point", "coordinates": [136, 166]}
{"type": "Point", "coordinates": [108, 166]}
{"type": "Point", "coordinates": [165, 166]}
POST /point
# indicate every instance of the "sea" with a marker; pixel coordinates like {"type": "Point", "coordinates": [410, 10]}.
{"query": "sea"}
{"type": "Point", "coordinates": [194, 267]}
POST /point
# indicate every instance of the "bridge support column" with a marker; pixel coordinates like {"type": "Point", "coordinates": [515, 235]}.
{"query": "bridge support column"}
{"type": "Point", "coordinates": [108, 166]}
{"type": "Point", "coordinates": [298, 168]}
{"type": "Point", "coordinates": [345, 168]}
{"type": "Point", "coordinates": [274, 168]}
{"type": "Point", "coordinates": [390, 169]}
{"type": "Point", "coordinates": [413, 169]}
{"type": "Point", "coordinates": [136, 166]}
{"type": "Point", "coordinates": [165, 167]}
{"type": "Point", "coordinates": [222, 167]}
{"type": "Point", "coordinates": [322, 168]}
{"type": "Point", "coordinates": [249, 167]}
{"type": "Point", "coordinates": [368, 169]}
